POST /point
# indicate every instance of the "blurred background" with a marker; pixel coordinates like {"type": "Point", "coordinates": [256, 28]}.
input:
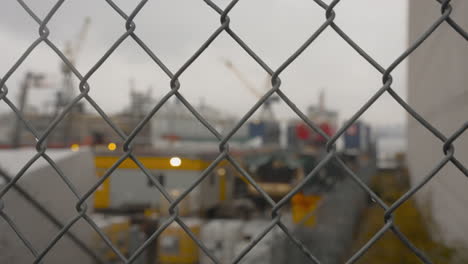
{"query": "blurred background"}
{"type": "Point", "coordinates": [386, 148]}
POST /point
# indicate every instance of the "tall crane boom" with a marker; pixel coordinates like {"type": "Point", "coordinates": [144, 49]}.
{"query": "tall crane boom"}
{"type": "Point", "coordinates": [66, 94]}
{"type": "Point", "coordinates": [246, 82]}
{"type": "Point", "coordinates": [267, 113]}
{"type": "Point", "coordinates": [81, 38]}
{"type": "Point", "coordinates": [72, 51]}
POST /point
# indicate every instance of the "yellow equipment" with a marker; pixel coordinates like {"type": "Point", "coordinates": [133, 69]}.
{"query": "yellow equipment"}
{"type": "Point", "coordinates": [303, 209]}
{"type": "Point", "coordinates": [117, 229]}
{"type": "Point", "coordinates": [128, 188]}
{"type": "Point", "coordinates": [276, 171]}
{"type": "Point", "coordinates": [176, 247]}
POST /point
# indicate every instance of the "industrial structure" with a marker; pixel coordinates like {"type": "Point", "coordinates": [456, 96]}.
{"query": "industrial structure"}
{"type": "Point", "coordinates": [266, 126]}
{"type": "Point", "coordinates": [438, 91]}
{"type": "Point", "coordinates": [174, 123]}
{"type": "Point", "coordinates": [171, 181]}
{"type": "Point", "coordinates": [300, 134]}
{"type": "Point", "coordinates": [176, 149]}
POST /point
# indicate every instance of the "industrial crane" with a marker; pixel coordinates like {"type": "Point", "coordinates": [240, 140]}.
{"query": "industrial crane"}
{"type": "Point", "coordinates": [65, 96]}
{"type": "Point", "coordinates": [266, 127]}
{"type": "Point", "coordinates": [31, 80]}
{"type": "Point", "coordinates": [267, 111]}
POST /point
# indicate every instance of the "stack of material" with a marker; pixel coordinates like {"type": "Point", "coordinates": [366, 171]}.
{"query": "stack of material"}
{"type": "Point", "coordinates": [226, 239]}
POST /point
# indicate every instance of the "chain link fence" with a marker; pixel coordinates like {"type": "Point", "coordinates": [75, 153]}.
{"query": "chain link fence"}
{"type": "Point", "coordinates": [175, 90]}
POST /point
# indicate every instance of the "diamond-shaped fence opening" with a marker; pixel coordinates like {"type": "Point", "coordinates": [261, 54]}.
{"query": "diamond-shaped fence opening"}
{"type": "Point", "coordinates": [222, 164]}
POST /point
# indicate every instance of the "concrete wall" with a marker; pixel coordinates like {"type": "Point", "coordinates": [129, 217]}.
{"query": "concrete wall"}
{"type": "Point", "coordinates": [44, 184]}
{"type": "Point", "coordinates": [438, 90]}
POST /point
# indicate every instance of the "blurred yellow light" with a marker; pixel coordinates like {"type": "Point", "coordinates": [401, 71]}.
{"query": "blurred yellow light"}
{"type": "Point", "coordinates": [174, 193]}
{"type": "Point", "coordinates": [221, 171]}
{"type": "Point", "coordinates": [75, 147]}
{"type": "Point", "coordinates": [175, 161]}
{"type": "Point", "coordinates": [112, 146]}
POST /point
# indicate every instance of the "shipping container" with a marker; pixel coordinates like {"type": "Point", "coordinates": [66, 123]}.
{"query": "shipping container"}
{"type": "Point", "coordinates": [357, 138]}
{"type": "Point", "coordinates": [269, 132]}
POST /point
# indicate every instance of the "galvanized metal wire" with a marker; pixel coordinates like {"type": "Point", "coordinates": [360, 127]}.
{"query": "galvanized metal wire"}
{"type": "Point", "coordinates": [174, 90]}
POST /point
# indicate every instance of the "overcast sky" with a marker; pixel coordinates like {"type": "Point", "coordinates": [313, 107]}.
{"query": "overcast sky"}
{"type": "Point", "coordinates": [174, 29]}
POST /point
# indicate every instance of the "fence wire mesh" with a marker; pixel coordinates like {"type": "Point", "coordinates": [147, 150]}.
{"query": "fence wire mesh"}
{"type": "Point", "coordinates": [175, 90]}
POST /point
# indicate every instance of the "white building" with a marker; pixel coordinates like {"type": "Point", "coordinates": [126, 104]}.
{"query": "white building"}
{"type": "Point", "coordinates": [438, 91]}
{"type": "Point", "coordinates": [174, 121]}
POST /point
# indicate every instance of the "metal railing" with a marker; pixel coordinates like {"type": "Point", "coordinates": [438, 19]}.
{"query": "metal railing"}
{"type": "Point", "coordinates": [224, 153]}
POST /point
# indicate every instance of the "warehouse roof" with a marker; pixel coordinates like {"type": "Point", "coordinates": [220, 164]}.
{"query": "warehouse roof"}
{"type": "Point", "coordinates": [12, 160]}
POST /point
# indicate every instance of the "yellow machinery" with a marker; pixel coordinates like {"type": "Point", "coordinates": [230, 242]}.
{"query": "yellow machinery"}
{"type": "Point", "coordinates": [304, 208]}
{"type": "Point", "coordinates": [274, 170]}
{"type": "Point", "coordinates": [129, 189]}
{"type": "Point", "coordinates": [117, 229]}
{"type": "Point", "coordinates": [176, 247]}
{"type": "Point", "coordinates": [129, 192]}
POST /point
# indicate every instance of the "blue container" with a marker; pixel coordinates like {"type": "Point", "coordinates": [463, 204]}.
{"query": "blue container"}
{"type": "Point", "coordinates": [256, 129]}
{"type": "Point", "coordinates": [357, 138]}
{"type": "Point", "coordinates": [269, 132]}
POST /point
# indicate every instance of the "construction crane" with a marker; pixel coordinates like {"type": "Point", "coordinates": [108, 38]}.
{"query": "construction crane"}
{"type": "Point", "coordinates": [71, 51]}
{"type": "Point", "coordinates": [267, 111]}
{"type": "Point", "coordinates": [267, 127]}
{"type": "Point", "coordinates": [66, 94]}
{"type": "Point", "coordinates": [31, 80]}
